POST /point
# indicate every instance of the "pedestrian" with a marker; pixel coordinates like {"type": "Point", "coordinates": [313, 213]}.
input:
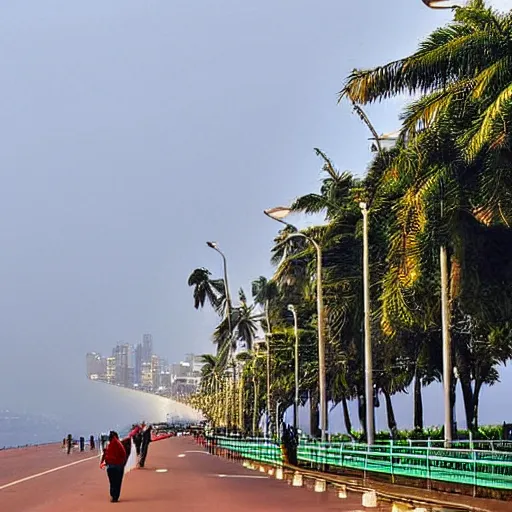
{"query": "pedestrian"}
{"type": "Point", "coordinates": [114, 457]}
{"type": "Point", "coordinates": [146, 439]}
{"type": "Point", "coordinates": [136, 435]}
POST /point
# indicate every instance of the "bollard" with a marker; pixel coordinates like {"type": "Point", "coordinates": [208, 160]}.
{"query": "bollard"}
{"type": "Point", "coordinates": [401, 507]}
{"type": "Point", "coordinates": [342, 492]}
{"type": "Point", "coordinates": [369, 499]}
{"type": "Point", "coordinates": [69, 443]}
{"type": "Point", "coordinates": [82, 443]}
{"type": "Point", "coordinates": [279, 473]}
{"type": "Point", "coordinates": [320, 486]}
{"type": "Point", "coordinates": [92, 446]}
{"type": "Point", "coordinates": [297, 479]}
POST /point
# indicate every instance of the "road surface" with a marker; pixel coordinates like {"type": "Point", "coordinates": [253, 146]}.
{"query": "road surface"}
{"type": "Point", "coordinates": [178, 475]}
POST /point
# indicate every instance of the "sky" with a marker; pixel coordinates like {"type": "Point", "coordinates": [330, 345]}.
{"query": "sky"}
{"type": "Point", "coordinates": [134, 131]}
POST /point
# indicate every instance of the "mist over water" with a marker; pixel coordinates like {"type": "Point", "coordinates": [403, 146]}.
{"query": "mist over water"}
{"type": "Point", "coordinates": [91, 408]}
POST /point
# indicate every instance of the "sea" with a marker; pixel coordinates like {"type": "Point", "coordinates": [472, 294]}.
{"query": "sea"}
{"type": "Point", "coordinates": [50, 409]}
{"type": "Point", "coordinates": [93, 408]}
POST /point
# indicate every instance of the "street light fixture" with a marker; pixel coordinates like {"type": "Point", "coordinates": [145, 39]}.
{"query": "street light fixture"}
{"type": "Point", "coordinates": [215, 247]}
{"type": "Point", "coordinates": [296, 400]}
{"type": "Point", "coordinates": [441, 4]}
{"type": "Point", "coordinates": [368, 357]}
{"type": "Point", "coordinates": [278, 214]}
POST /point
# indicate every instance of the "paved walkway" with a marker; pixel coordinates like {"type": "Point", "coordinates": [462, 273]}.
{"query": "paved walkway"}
{"type": "Point", "coordinates": [178, 476]}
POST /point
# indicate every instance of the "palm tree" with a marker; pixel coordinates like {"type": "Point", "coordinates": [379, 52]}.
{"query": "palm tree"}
{"type": "Point", "coordinates": [207, 289]}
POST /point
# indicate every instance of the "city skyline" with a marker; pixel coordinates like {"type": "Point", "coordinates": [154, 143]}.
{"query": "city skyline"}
{"type": "Point", "coordinates": [136, 366]}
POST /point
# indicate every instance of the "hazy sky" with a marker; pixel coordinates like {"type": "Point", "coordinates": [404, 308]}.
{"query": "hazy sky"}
{"type": "Point", "coordinates": [133, 131]}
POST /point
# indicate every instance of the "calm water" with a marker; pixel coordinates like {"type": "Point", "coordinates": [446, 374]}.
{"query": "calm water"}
{"type": "Point", "coordinates": [93, 407]}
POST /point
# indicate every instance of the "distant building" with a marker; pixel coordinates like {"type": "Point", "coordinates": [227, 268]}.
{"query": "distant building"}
{"type": "Point", "coordinates": [111, 370]}
{"type": "Point", "coordinates": [96, 366]}
{"type": "Point", "coordinates": [155, 371]}
{"type": "Point", "coordinates": [146, 376]}
{"type": "Point", "coordinates": [125, 362]}
{"type": "Point", "coordinates": [196, 364]}
{"type": "Point", "coordinates": [137, 378]}
{"type": "Point", "coordinates": [147, 348]}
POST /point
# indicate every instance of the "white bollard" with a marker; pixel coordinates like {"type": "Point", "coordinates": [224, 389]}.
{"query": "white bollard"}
{"type": "Point", "coordinates": [369, 499]}
{"type": "Point", "coordinates": [297, 479]}
{"type": "Point", "coordinates": [279, 473]}
{"type": "Point", "coordinates": [400, 507]}
{"type": "Point", "coordinates": [320, 486]}
{"type": "Point", "coordinates": [271, 471]}
{"type": "Point", "coordinates": [342, 492]}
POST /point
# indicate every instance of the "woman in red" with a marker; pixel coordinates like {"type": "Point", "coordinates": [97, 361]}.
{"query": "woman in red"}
{"type": "Point", "coordinates": [114, 457]}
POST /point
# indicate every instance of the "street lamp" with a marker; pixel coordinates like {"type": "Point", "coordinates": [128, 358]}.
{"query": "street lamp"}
{"type": "Point", "coordinates": [441, 4]}
{"type": "Point", "coordinates": [296, 400]}
{"type": "Point", "coordinates": [215, 247]}
{"type": "Point", "coordinates": [267, 413]}
{"type": "Point", "coordinates": [368, 359]}
{"type": "Point", "coordinates": [278, 214]}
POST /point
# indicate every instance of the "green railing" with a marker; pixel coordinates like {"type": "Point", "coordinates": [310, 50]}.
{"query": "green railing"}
{"type": "Point", "coordinates": [259, 449]}
{"type": "Point", "coordinates": [477, 468]}
{"type": "Point", "coordinates": [470, 467]}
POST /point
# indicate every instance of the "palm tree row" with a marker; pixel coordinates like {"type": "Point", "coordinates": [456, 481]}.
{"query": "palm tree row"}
{"type": "Point", "coordinates": [446, 183]}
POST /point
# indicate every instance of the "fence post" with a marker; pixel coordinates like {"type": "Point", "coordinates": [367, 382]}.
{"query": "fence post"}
{"type": "Point", "coordinates": [391, 461]}
{"type": "Point", "coordinates": [429, 485]}
{"type": "Point", "coordinates": [366, 461]}
{"type": "Point", "coordinates": [475, 473]}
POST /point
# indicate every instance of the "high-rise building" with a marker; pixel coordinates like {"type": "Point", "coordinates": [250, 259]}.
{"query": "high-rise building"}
{"type": "Point", "coordinates": [146, 376]}
{"type": "Point", "coordinates": [96, 366]}
{"type": "Point", "coordinates": [137, 378]}
{"type": "Point", "coordinates": [124, 357]}
{"type": "Point", "coordinates": [147, 348]}
{"type": "Point", "coordinates": [155, 371]}
{"type": "Point", "coordinates": [111, 370]}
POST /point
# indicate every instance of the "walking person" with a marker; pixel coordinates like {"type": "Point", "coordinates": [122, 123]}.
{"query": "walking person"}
{"type": "Point", "coordinates": [136, 435]}
{"type": "Point", "coordinates": [114, 457]}
{"type": "Point", "coordinates": [146, 439]}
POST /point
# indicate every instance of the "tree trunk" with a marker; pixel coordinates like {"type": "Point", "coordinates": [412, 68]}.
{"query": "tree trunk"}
{"type": "Point", "coordinates": [314, 415]}
{"type": "Point", "coordinates": [361, 410]}
{"type": "Point", "coordinates": [476, 402]}
{"type": "Point", "coordinates": [418, 402]}
{"type": "Point", "coordinates": [346, 415]}
{"type": "Point", "coordinates": [255, 406]}
{"type": "Point", "coordinates": [467, 395]}
{"type": "Point", "coordinates": [390, 413]}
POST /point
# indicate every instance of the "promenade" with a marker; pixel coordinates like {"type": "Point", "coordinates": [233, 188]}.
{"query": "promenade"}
{"type": "Point", "coordinates": [179, 475]}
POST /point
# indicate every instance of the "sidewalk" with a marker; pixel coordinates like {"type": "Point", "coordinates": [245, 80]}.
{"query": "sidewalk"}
{"type": "Point", "coordinates": [178, 476]}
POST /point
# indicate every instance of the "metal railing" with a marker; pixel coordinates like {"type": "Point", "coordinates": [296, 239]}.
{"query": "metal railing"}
{"type": "Point", "coordinates": [477, 468]}
{"type": "Point", "coordinates": [258, 449]}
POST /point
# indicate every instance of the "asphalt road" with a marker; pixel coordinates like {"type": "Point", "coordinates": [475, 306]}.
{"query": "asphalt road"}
{"type": "Point", "coordinates": [178, 475]}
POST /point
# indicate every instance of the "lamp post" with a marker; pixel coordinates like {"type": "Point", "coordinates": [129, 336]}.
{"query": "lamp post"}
{"type": "Point", "coordinates": [441, 4]}
{"type": "Point", "coordinates": [278, 214]}
{"type": "Point", "coordinates": [368, 357]}
{"type": "Point", "coordinates": [215, 247]}
{"type": "Point", "coordinates": [296, 399]}
{"type": "Point", "coordinates": [445, 301]}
